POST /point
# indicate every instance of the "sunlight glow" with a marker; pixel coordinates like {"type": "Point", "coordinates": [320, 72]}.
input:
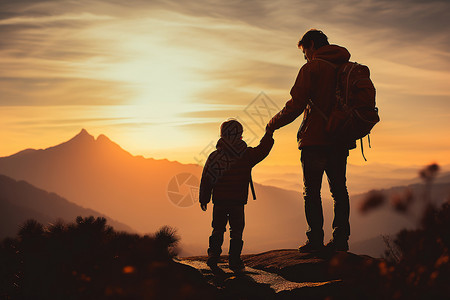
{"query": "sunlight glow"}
{"type": "Point", "coordinates": [164, 77]}
{"type": "Point", "coordinates": [159, 78]}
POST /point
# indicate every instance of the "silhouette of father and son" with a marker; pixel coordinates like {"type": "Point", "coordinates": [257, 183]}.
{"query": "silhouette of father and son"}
{"type": "Point", "coordinates": [227, 172]}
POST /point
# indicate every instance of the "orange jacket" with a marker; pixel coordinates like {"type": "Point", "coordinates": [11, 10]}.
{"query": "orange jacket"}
{"type": "Point", "coordinates": [316, 81]}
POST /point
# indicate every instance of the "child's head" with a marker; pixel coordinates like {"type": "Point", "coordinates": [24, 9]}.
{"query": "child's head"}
{"type": "Point", "coordinates": [231, 130]}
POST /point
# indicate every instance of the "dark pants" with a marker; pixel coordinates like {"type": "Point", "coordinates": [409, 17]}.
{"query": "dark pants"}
{"type": "Point", "coordinates": [333, 161]}
{"type": "Point", "coordinates": [222, 214]}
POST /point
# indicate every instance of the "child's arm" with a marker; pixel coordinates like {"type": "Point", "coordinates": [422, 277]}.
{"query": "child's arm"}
{"type": "Point", "coordinates": [260, 152]}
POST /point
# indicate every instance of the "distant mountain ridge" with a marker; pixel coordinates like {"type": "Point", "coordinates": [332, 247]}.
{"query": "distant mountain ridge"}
{"type": "Point", "coordinates": [99, 174]}
{"type": "Point", "coordinates": [360, 178]}
{"type": "Point", "coordinates": [20, 201]}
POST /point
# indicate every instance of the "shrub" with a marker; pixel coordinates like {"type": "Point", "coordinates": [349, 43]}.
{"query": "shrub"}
{"type": "Point", "coordinates": [86, 259]}
{"type": "Point", "coordinates": [420, 268]}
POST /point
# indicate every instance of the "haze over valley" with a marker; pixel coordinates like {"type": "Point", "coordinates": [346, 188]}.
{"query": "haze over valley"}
{"type": "Point", "coordinates": [97, 174]}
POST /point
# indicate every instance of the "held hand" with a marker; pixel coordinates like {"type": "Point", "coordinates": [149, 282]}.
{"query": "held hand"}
{"type": "Point", "coordinates": [269, 130]}
{"type": "Point", "coordinates": [203, 206]}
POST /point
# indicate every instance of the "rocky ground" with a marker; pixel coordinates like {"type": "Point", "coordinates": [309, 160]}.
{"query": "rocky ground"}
{"type": "Point", "coordinates": [288, 274]}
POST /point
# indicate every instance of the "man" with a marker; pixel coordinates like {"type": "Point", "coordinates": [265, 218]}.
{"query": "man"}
{"type": "Point", "coordinates": [313, 94]}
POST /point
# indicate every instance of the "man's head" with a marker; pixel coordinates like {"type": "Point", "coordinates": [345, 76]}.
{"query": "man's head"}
{"type": "Point", "coordinates": [312, 40]}
{"type": "Point", "coordinates": [231, 130]}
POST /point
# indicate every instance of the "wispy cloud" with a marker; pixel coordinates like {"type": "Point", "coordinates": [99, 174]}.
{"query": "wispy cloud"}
{"type": "Point", "coordinates": [171, 64]}
{"type": "Point", "coordinates": [44, 91]}
{"type": "Point", "coordinates": [75, 121]}
{"type": "Point", "coordinates": [66, 19]}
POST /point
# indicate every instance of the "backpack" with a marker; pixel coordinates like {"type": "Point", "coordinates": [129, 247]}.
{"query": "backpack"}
{"type": "Point", "coordinates": [355, 113]}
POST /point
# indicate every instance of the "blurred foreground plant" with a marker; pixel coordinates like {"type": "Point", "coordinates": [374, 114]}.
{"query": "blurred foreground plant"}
{"type": "Point", "coordinates": [418, 264]}
{"type": "Point", "coordinates": [86, 259]}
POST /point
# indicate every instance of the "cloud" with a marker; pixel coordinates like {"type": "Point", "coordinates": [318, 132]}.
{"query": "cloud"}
{"type": "Point", "coordinates": [212, 114]}
{"type": "Point", "coordinates": [412, 18]}
{"type": "Point", "coordinates": [72, 121]}
{"type": "Point", "coordinates": [243, 43]}
{"type": "Point", "coordinates": [388, 26]}
{"type": "Point", "coordinates": [60, 91]}
{"type": "Point", "coordinates": [182, 60]}
{"type": "Point", "coordinates": [66, 19]}
{"type": "Point", "coordinates": [255, 74]}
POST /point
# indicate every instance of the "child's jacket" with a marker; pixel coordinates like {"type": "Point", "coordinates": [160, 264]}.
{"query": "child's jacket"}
{"type": "Point", "coordinates": [227, 171]}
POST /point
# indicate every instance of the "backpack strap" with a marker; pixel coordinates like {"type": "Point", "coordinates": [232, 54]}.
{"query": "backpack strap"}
{"type": "Point", "coordinates": [335, 66]}
{"type": "Point", "coordinates": [324, 116]}
{"type": "Point", "coordinates": [318, 109]}
{"type": "Point", "coordinates": [362, 149]}
{"type": "Point", "coordinates": [252, 187]}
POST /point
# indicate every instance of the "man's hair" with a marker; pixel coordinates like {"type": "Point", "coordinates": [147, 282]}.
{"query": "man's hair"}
{"type": "Point", "coordinates": [231, 129]}
{"type": "Point", "coordinates": [319, 38]}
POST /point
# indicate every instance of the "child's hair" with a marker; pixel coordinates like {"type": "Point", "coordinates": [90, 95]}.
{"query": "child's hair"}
{"type": "Point", "coordinates": [231, 129]}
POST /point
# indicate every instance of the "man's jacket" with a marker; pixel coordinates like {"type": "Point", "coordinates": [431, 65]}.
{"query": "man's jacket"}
{"type": "Point", "coordinates": [226, 174]}
{"type": "Point", "coordinates": [316, 81]}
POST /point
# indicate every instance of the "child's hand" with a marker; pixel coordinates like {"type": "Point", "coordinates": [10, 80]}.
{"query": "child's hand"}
{"type": "Point", "coordinates": [203, 206]}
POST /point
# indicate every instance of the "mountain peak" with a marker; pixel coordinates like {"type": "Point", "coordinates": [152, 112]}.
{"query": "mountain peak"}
{"type": "Point", "coordinates": [108, 145]}
{"type": "Point", "coordinates": [103, 138]}
{"type": "Point", "coordinates": [81, 138]}
{"type": "Point", "coordinates": [83, 132]}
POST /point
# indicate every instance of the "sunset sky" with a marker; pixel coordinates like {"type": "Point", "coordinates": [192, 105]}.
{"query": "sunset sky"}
{"type": "Point", "coordinates": [159, 77]}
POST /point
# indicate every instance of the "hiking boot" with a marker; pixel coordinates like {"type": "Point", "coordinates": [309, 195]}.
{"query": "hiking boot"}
{"type": "Point", "coordinates": [212, 262]}
{"type": "Point", "coordinates": [236, 265]}
{"type": "Point", "coordinates": [234, 258]}
{"type": "Point", "coordinates": [310, 247]}
{"type": "Point", "coordinates": [337, 245]}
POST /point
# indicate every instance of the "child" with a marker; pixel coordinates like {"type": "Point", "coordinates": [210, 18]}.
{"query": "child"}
{"type": "Point", "coordinates": [227, 174]}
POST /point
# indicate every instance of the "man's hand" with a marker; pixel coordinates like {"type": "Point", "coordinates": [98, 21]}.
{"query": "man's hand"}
{"type": "Point", "coordinates": [203, 206]}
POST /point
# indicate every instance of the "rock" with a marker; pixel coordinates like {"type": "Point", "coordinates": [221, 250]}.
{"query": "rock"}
{"type": "Point", "coordinates": [305, 267]}
{"type": "Point", "coordinates": [288, 274]}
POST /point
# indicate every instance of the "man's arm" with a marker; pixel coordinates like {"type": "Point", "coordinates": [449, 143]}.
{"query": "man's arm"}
{"type": "Point", "coordinates": [300, 93]}
{"type": "Point", "coordinates": [262, 150]}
